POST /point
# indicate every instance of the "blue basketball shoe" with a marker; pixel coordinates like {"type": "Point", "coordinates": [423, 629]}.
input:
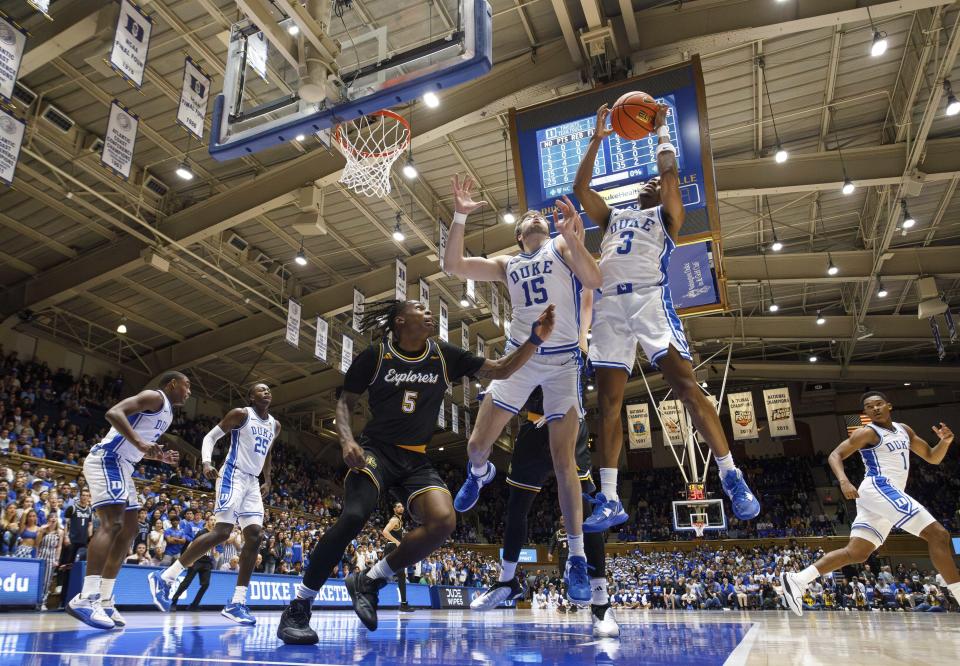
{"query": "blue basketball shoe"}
{"type": "Point", "coordinates": [160, 591]}
{"type": "Point", "coordinates": [577, 579]}
{"type": "Point", "coordinates": [745, 505]}
{"type": "Point", "coordinates": [606, 514]}
{"type": "Point", "coordinates": [239, 613]}
{"type": "Point", "coordinates": [469, 492]}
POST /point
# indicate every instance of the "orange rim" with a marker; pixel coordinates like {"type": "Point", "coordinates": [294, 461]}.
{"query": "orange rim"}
{"type": "Point", "coordinates": [339, 137]}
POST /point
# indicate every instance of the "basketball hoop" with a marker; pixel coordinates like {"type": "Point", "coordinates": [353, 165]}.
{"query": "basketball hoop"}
{"type": "Point", "coordinates": [698, 528]}
{"type": "Point", "coordinates": [371, 144]}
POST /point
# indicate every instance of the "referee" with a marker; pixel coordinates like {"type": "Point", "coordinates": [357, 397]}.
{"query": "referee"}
{"type": "Point", "coordinates": [405, 377]}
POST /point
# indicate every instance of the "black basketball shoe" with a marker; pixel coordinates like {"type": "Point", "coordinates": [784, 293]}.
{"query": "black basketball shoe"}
{"type": "Point", "coordinates": [364, 591]}
{"type": "Point", "coordinates": [294, 627]}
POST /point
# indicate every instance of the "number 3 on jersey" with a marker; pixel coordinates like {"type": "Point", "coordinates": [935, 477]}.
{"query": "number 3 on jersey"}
{"type": "Point", "coordinates": [627, 238]}
{"type": "Point", "coordinates": [534, 291]}
{"type": "Point", "coordinates": [409, 405]}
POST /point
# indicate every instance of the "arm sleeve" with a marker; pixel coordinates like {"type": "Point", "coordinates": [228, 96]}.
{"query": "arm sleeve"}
{"type": "Point", "coordinates": [209, 441]}
{"type": "Point", "coordinates": [361, 370]}
{"type": "Point", "coordinates": [460, 362]}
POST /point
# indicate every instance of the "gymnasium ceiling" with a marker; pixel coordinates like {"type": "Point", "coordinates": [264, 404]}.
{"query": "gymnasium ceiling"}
{"type": "Point", "coordinates": [75, 241]}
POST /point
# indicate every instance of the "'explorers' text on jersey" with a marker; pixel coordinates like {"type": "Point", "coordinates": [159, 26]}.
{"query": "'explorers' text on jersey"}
{"type": "Point", "coordinates": [149, 426]}
{"type": "Point", "coordinates": [890, 457]}
{"type": "Point", "coordinates": [635, 249]}
{"type": "Point", "coordinates": [406, 392]}
{"type": "Point", "coordinates": [536, 280]}
{"type": "Point", "coordinates": [250, 443]}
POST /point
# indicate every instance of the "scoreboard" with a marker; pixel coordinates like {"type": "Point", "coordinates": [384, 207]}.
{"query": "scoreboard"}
{"type": "Point", "coordinates": [550, 139]}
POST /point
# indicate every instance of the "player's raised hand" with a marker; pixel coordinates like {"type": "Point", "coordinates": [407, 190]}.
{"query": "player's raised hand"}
{"type": "Point", "coordinates": [353, 455]}
{"type": "Point", "coordinates": [944, 433]}
{"type": "Point", "coordinates": [543, 326]}
{"type": "Point", "coordinates": [849, 490]}
{"type": "Point", "coordinates": [602, 130]}
{"type": "Point", "coordinates": [463, 195]}
{"type": "Point", "coordinates": [568, 221]}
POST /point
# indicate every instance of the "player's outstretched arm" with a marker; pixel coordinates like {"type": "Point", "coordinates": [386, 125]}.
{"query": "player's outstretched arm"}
{"type": "Point", "coordinates": [570, 226]}
{"type": "Point", "coordinates": [352, 452]}
{"type": "Point", "coordinates": [860, 438]}
{"type": "Point", "coordinates": [592, 202]}
{"type": "Point", "coordinates": [454, 261]}
{"type": "Point", "coordinates": [670, 197]}
{"type": "Point", "coordinates": [145, 401]}
{"type": "Point", "coordinates": [932, 454]}
{"type": "Point", "coordinates": [505, 366]}
{"type": "Point", "coordinates": [233, 419]}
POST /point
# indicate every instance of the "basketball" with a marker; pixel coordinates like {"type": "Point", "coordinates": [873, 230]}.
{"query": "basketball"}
{"type": "Point", "coordinates": [633, 114]}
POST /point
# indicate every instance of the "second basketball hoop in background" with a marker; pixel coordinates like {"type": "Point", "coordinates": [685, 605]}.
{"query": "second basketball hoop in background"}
{"type": "Point", "coordinates": [371, 144]}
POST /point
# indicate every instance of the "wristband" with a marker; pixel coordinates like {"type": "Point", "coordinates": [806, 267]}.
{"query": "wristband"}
{"type": "Point", "coordinates": [459, 218]}
{"type": "Point", "coordinates": [534, 339]}
{"type": "Point", "coordinates": [666, 148]}
{"type": "Point", "coordinates": [663, 132]}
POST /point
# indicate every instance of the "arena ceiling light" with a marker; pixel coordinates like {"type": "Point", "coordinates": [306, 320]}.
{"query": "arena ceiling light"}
{"type": "Point", "coordinates": [881, 291]}
{"type": "Point", "coordinates": [301, 258]}
{"type": "Point", "coordinates": [300, 137]}
{"type": "Point", "coordinates": [184, 172]}
{"type": "Point", "coordinates": [589, 387]}
{"type": "Point", "coordinates": [398, 234]}
{"type": "Point", "coordinates": [409, 168]}
{"type": "Point", "coordinates": [773, 306]}
{"type": "Point", "coordinates": [848, 186]}
{"type": "Point", "coordinates": [878, 46]}
{"type": "Point", "coordinates": [831, 267]}
{"type": "Point", "coordinates": [464, 301]}
{"type": "Point", "coordinates": [122, 326]}
{"type": "Point", "coordinates": [781, 154]}
{"type": "Point", "coordinates": [821, 320]}
{"type": "Point", "coordinates": [908, 220]}
{"type": "Point", "coordinates": [293, 29]}
{"type": "Point", "coordinates": [431, 100]}
{"type": "Point", "coordinates": [813, 358]}
{"type": "Point", "coordinates": [953, 104]}
{"type": "Point", "coordinates": [508, 216]}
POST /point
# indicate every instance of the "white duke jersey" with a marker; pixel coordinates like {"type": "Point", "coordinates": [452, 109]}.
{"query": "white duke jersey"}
{"type": "Point", "coordinates": [634, 250]}
{"type": "Point", "coordinates": [148, 426]}
{"type": "Point", "coordinates": [890, 457]}
{"type": "Point", "coordinates": [537, 280]}
{"type": "Point", "coordinates": [250, 443]}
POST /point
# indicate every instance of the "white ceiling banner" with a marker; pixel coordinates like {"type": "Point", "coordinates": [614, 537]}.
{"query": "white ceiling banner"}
{"type": "Point", "coordinates": [471, 291]}
{"type": "Point", "coordinates": [401, 288]}
{"type": "Point", "coordinates": [425, 293]}
{"type": "Point", "coordinates": [779, 412]}
{"type": "Point", "coordinates": [743, 418]}
{"type": "Point", "coordinates": [257, 54]}
{"type": "Point", "coordinates": [442, 415]}
{"type": "Point", "coordinates": [12, 40]}
{"type": "Point", "coordinates": [676, 427]}
{"type": "Point", "coordinates": [194, 95]}
{"type": "Point", "coordinates": [11, 138]}
{"type": "Point", "coordinates": [464, 336]}
{"type": "Point", "coordinates": [118, 144]}
{"type": "Point", "coordinates": [454, 418]}
{"type": "Point", "coordinates": [442, 248]}
{"type": "Point", "coordinates": [346, 357]}
{"type": "Point", "coordinates": [293, 323]}
{"type": "Point", "coordinates": [638, 426]}
{"type": "Point", "coordinates": [444, 321]}
{"type": "Point", "coordinates": [357, 309]}
{"type": "Point", "coordinates": [128, 57]}
{"type": "Point", "coordinates": [481, 347]}
{"type": "Point", "coordinates": [323, 333]}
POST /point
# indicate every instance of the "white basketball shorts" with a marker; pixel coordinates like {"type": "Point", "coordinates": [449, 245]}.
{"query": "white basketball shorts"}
{"type": "Point", "coordinates": [882, 506]}
{"type": "Point", "coordinates": [238, 498]}
{"type": "Point", "coordinates": [110, 478]}
{"type": "Point", "coordinates": [558, 375]}
{"type": "Point", "coordinates": [645, 315]}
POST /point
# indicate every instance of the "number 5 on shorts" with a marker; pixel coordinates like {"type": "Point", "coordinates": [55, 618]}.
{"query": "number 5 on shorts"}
{"type": "Point", "coordinates": [409, 402]}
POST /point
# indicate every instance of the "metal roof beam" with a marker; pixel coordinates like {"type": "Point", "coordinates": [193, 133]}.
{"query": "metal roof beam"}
{"type": "Point", "coordinates": [804, 328]}
{"type": "Point", "coordinates": [75, 24]}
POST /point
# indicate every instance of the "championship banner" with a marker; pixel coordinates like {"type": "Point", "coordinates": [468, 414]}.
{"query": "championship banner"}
{"type": "Point", "coordinates": [357, 309]}
{"type": "Point", "coordinates": [454, 418]}
{"type": "Point", "coordinates": [937, 340]}
{"type": "Point", "coordinates": [466, 391]}
{"type": "Point", "coordinates": [11, 137]}
{"type": "Point", "coordinates": [346, 353]}
{"type": "Point", "coordinates": [293, 323]}
{"type": "Point", "coordinates": [257, 54]}
{"type": "Point", "coordinates": [481, 347]}
{"type": "Point", "coordinates": [442, 248]}
{"type": "Point", "coordinates": [444, 321]}
{"type": "Point", "coordinates": [425, 293]}
{"type": "Point", "coordinates": [676, 428]}
{"type": "Point", "coordinates": [130, 43]}
{"type": "Point", "coordinates": [951, 325]}
{"type": "Point", "coordinates": [495, 304]}
{"type": "Point", "coordinates": [638, 426]}
{"type": "Point", "coordinates": [466, 423]}
{"type": "Point", "coordinates": [442, 415]}
{"type": "Point", "coordinates": [194, 95]}
{"type": "Point", "coordinates": [323, 331]}
{"type": "Point", "coordinates": [401, 288]}
{"type": "Point", "coordinates": [464, 335]}
{"type": "Point", "coordinates": [779, 412]}
{"type": "Point", "coordinates": [118, 144]}
{"type": "Point", "coordinates": [12, 40]}
{"type": "Point", "coordinates": [743, 418]}
{"type": "Point", "coordinates": [471, 291]}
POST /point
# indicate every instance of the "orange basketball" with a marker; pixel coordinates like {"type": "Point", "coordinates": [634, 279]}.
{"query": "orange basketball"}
{"type": "Point", "coordinates": [633, 114]}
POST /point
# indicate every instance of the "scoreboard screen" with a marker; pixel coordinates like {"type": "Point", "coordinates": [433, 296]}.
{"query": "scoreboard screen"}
{"type": "Point", "coordinates": [550, 139]}
{"type": "Point", "coordinates": [696, 492]}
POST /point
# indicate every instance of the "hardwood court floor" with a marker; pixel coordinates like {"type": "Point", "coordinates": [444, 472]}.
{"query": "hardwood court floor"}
{"type": "Point", "coordinates": [462, 638]}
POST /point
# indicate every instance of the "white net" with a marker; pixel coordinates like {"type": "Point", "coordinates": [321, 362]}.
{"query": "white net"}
{"type": "Point", "coordinates": [699, 524]}
{"type": "Point", "coordinates": [371, 144]}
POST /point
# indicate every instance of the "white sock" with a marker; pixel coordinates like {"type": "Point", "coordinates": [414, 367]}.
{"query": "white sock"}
{"type": "Point", "coordinates": [810, 574]}
{"type": "Point", "coordinates": [575, 544]}
{"type": "Point", "coordinates": [955, 590]}
{"type": "Point", "coordinates": [479, 471]}
{"type": "Point", "coordinates": [106, 588]}
{"type": "Point", "coordinates": [507, 570]}
{"type": "Point", "coordinates": [170, 573]}
{"type": "Point", "coordinates": [239, 595]}
{"type": "Point", "coordinates": [380, 570]}
{"type": "Point", "coordinates": [304, 592]}
{"type": "Point", "coordinates": [91, 587]}
{"type": "Point", "coordinates": [598, 594]}
{"type": "Point", "coordinates": [608, 482]}
{"type": "Point", "coordinates": [725, 463]}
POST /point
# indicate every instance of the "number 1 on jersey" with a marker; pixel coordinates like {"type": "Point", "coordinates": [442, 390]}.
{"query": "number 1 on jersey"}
{"type": "Point", "coordinates": [409, 405]}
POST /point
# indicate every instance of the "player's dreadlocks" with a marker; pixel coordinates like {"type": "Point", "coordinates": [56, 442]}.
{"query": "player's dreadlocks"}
{"type": "Point", "coordinates": [382, 315]}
